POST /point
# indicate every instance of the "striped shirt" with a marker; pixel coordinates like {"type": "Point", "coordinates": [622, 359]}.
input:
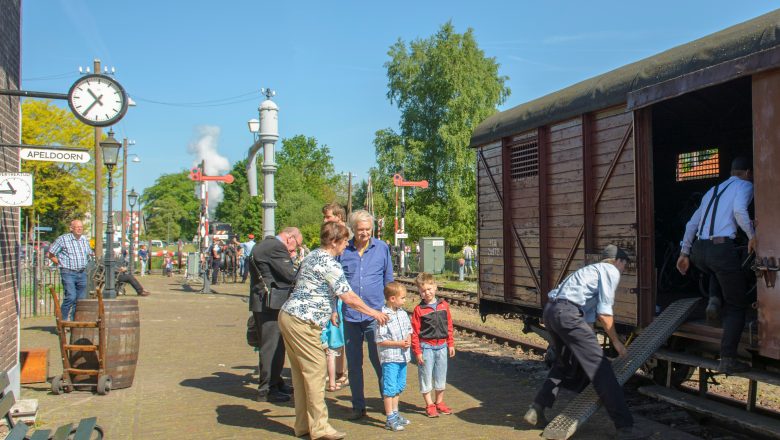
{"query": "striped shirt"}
{"type": "Point", "coordinates": [71, 252]}
{"type": "Point", "coordinates": [398, 328]}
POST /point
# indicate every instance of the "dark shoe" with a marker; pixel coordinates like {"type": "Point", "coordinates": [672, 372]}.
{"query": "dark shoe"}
{"type": "Point", "coordinates": [713, 311]}
{"type": "Point", "coordinates": [357, 414]}
{"type": "Point", "coordinates": [144, 293]}
{"type": "Point", "coordinates": [535, 416]}
{"type": "Point", "coordinates": [731, 365]}
{"type": "Point", "coordinates": [286, 389]}
{"type": "Point", "coordinates": [631, 433]}
{"type": "Point", "coordinates": [334, 436]}
{"type": "Point", "coordinates": [272, 397]}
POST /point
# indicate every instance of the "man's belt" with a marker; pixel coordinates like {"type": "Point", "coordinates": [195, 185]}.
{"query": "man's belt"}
{"type": "Point", "coordinates": [74, 270]}
{"type": "Point", "coordinates": [564, 300]}
{"type": "Point", "coordinates": [718, 240]}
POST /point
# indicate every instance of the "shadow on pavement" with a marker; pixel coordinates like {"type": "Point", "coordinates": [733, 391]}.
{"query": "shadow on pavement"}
{"type": "Point", "coordinates": [499, 406]}
{"type": "Point", "coordinates": [240, 415]}
{"type": "Point", "coordinates": [242, 386]}
{"type": "Point", "coordinates": [44, 328]}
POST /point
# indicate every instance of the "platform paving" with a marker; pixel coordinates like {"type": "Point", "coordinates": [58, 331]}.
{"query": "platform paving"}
{"type": "Point", "coordinates": [195, 380]}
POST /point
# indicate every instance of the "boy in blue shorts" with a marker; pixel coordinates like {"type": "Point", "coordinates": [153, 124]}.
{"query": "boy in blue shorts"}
{"type": "Point", "coordinates": [393, 341]}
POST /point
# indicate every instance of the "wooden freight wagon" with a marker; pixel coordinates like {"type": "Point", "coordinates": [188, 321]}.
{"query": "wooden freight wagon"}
{"type": "Point", "coordinates": [624, 158]}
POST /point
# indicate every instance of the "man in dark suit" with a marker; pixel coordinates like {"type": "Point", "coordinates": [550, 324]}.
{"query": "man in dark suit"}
{"type": "Point", "coordinates": [271, 267]}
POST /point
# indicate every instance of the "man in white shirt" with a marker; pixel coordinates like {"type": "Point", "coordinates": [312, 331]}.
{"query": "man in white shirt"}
{"type": "Point", "coordinates": [714, 225]}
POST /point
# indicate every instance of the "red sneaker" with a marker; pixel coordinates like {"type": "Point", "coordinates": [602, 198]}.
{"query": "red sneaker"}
{"type": "Point", "coordinates": [443, 408]}
{"type": "Point", "coordinates": [431, 411]}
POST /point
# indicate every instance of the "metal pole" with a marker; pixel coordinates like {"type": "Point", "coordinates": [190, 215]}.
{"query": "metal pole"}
{"type": "Point", "coordinates": [123, 231]}
{"type": "Point", "coordinates": [132, 237]}
{"type": "Point", "coordinates": [98, 219]}
{"type": "Point", "coordinates": [108, 290]}
{"type": "Point", "coordinates": [349, 194]}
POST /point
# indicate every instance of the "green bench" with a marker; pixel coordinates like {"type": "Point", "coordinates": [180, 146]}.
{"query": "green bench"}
{"type": "Point", "coordinates": [18, 431]}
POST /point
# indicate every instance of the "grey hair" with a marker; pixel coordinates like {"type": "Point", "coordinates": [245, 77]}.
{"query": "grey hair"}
{"type": "Point", "coordinates": [360, 216]}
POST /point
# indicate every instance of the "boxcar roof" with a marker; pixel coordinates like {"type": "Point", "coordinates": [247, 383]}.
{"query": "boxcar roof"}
{"type": "Point", "coordinates": [612, 88]}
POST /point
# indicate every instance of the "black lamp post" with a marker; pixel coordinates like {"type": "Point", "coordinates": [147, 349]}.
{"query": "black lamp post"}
{"type": "Point", "coordinates": [110, 148]}
{"type": "Point", "coordinates": [132, 198]}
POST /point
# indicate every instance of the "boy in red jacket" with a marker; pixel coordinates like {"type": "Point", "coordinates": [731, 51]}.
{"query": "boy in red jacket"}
{"type": "Point", "coordinates": [432, 342]}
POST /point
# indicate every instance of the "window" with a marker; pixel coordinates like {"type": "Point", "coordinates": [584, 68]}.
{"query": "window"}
{"type": "Point", "coordinates": [525, 160]}
{"type": "Point", "coordinates": [697, 165]}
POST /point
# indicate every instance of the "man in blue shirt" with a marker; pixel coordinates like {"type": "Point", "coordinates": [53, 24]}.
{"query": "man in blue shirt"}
{"type": "Point", "coordinates": [573, 306]}
{"type": "Point", "coordinates": [246, 247]}
{"type": "Point", "coordinates": [368, 268]}
{"type": "Point", "coordinates": [71, 253]}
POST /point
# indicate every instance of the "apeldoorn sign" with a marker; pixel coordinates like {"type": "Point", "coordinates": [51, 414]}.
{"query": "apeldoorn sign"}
{"type": "Point", "coordinates": [54, 155]}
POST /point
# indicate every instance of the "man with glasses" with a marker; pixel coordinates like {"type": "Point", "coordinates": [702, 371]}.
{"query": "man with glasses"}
{"type": "Point", "coordinates": [272, 271]}
{"type": "Point", "coordinates": [71, 252]}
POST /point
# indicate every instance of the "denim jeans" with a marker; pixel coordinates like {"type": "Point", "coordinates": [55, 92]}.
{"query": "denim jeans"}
{"type": "Point", "coordinates": [354, 334]}
{"type": "Point", "coordinates": [75, 286]}
{"type": "Point", "coordinates": [433, 373]}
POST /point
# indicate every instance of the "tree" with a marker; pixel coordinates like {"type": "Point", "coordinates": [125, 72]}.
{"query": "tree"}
{"type": "Point", "coordinates": [61, 190]}
{"type": "Point", "coordinates": [444, 86]}
{"type": "Point", "coordinates": [170, 207]}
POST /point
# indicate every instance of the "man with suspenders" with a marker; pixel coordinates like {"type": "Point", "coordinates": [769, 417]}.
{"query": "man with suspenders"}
{"type": "Point", "coordinates": [714, 225]}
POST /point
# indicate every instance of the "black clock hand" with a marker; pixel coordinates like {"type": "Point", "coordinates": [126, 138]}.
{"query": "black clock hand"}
{"type": "Point", "coordinates": [11, 189]}
{"type": "Point", "coordinates": [90, 106]}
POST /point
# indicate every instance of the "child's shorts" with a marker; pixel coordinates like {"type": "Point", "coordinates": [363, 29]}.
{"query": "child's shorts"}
{"type": "Point", "coordinates": [433, 373]}
{"type": "Point", "coordinates": [393, 378]}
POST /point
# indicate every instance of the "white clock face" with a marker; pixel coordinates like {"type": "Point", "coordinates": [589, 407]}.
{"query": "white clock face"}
{"type": "Point", "coordinates": [16, 191]}
{"type": "Point", "coordinates": [98, 100]}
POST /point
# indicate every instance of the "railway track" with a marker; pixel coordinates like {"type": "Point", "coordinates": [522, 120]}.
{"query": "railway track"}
{"type": "Point", "coordinates": [523, 356]}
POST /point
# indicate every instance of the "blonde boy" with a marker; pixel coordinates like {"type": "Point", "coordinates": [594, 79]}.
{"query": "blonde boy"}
{"type": "Point", "coordinates": [393, 341]}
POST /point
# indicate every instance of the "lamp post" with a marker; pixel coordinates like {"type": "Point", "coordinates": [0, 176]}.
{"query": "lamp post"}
{"type": "Point", "coordinates": [110, 148]}
{"type": "Point", "coordinates": [126, 143]}
{"type": "Point", "coordinates": [132, 198]}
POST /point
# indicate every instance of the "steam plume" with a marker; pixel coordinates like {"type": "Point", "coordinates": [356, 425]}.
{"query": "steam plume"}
{"type": "Point", "coordinates": [204, 147]}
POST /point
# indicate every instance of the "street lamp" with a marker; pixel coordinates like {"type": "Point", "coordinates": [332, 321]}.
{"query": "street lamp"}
{"type": "Point", "coordinates": [126, 144]}
{"type": "Point", "coordinates": [110, 148]}
{"type": "Point", "coordinates": [132, 198]}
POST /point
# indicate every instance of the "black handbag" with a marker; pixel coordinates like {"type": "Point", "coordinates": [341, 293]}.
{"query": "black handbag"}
{"type": "Point", "coordinates": [274, 297]}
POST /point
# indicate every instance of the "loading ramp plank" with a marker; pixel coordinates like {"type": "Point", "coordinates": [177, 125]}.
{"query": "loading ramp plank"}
{"type": "Point", "coordinates": [579, 410]}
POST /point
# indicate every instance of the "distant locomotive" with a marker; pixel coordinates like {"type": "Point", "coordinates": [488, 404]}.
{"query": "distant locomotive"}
{"type": "Point", "coordinates": [624, 158]}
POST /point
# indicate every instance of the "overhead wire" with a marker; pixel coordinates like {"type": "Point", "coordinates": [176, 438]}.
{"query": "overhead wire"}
{"type": "Point", "coordinates": [244, 97]}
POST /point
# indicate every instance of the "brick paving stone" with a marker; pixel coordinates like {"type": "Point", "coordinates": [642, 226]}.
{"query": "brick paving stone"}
{"type": "Point", "coordinates": [195, 379]}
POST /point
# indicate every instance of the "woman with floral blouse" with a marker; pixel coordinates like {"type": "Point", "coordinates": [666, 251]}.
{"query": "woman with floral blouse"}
{"type": "Point", "coordinates": [319, 284]}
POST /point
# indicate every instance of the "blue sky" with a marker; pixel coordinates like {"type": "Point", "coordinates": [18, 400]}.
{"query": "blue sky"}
{"type": "Point", "coordinates": [325, 60]}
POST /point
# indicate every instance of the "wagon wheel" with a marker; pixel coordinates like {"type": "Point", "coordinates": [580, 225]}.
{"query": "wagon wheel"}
{"type": "Point", "coordinates": [56, 385]}
{"type": "Point", "coordinates": [104, 384]}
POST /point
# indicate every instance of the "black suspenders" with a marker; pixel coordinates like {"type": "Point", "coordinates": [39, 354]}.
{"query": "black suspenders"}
{"type": "Point", "coordinates": [715, 199]}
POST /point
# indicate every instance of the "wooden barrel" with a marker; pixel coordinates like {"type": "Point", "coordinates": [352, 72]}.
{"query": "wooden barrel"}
{"type": "Point", "coordinates": [123, 337]}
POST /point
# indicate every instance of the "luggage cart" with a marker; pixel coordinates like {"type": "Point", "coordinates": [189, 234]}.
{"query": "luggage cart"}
{"type": "Point", "coordinates": [64, 383]}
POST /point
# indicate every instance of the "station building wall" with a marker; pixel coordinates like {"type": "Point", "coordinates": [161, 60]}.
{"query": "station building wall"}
{"type": "Point", "coordinates": [10, 118]}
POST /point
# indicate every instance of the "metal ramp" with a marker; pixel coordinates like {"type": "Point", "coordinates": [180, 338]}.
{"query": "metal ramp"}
{"type": "Point", "coordinates": [579, 410]}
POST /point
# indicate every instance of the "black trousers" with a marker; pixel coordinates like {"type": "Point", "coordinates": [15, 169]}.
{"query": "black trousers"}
{"type": "Point", "coordinates": [271, 350]}
{"type": "Point", "coordinates": [127, 278]}
{"type": "Point", "coordinates": [721, 263]}
{"type": "Point", "coordinates": [570, 332]}
{"type": "Point", "coordinates": [215, 265]}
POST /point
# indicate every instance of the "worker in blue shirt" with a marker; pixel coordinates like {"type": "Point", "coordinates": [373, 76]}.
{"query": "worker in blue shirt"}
{"type": "Point", "coordinates": [368, 268]}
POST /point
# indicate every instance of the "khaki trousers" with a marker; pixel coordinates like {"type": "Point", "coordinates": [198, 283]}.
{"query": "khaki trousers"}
{"type": "Point", "coordinates": [308, 364]}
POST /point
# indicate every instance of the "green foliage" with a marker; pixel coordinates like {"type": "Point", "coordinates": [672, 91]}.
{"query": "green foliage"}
{"type": "Point", "coordinates": [238, 208]}
{"type": "Point", "coordinates": [171, 208]}
{"type": "Point", "coordinates": [62, 191]}
{"type": "Point", "coordinates": [444, 86]}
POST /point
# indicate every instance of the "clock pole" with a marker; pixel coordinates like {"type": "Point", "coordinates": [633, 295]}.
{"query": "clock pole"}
{"type": "Point", "coordinates": [98, 219]}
